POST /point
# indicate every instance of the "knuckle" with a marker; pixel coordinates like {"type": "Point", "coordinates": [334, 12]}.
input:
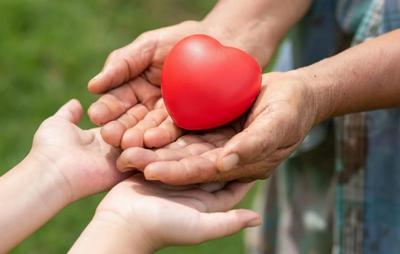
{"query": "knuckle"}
{"type": "Point", "coordinates": [144, 36]}
{"type": "Point", "coordinates": [114, 54]}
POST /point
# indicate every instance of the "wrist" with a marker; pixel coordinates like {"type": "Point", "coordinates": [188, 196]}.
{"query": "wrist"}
{"type": "Point", "coordinates": [255, 27]}
{"type": "Point", "coordinates": [260, 44]}
{"type": "Point", "coordinates": [109, 233]}
{"type": "Point", "coordinates": [28, 188]}
{"type": "Point", "coordinates": [321, 97]}
{"type": "Point", "coordinates": [51, 185]}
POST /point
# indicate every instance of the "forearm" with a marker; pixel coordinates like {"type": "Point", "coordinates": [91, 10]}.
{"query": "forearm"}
{"type": "Point", "coordinates": [364, 77]}
{"type": "Point", "coordinates": [107, 233]}
{"type": "Point", "coordinates": [29, 197]}
{"type": "Point", "coordinates": [256, 26]}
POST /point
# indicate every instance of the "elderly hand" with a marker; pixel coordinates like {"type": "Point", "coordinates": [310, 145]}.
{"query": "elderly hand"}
{"type": "Point", "coordinates": [278, 122]}
{"type": "Point", "coordinates": [132, 108]}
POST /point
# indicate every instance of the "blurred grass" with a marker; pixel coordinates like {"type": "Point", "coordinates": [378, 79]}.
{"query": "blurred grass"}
{"type": "Point", "coordinates": [48, 52]}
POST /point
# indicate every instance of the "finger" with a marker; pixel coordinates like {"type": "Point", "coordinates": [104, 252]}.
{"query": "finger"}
{"type": "Point", "coordinates": [192, 170]}
{"type": "Point", "coordinates": [135, 136]}
{"type": "Point", "coordinates": [125, 63]}
{"type": "Point", "coordinates": [216, 225]}
{"type": "Point", "coordinates": [113, 131]}
{"type": "Point", "coordinates": [113, 104]}
{"type": "Point", "coordinates": [260, 138]}
{"type": "Point", "coordinates": [230, 196]}
{"type": "Point", "coordinates": [167, 132]}
{"type": "Point", "coordinates": [189, 170]}
{"type": "Point", "coordinates": [71, 111]}
{"type": "Point", "coordinates": [139, 158]}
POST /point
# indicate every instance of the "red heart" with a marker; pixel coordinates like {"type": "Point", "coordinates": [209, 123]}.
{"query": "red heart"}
{"type": "Point", "coordinates": [206, 85]}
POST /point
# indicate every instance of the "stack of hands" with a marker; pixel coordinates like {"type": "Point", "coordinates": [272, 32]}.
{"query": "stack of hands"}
{"type": "Point", "coordinates": [142, 156]}
{"type": "Point", "coordinates": [169, 186]}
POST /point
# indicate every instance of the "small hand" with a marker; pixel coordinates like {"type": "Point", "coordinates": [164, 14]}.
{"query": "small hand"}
{"type": "Point", "coordinates": [163, 216]}
{"type": "Point", "coordinates": [79, 159]}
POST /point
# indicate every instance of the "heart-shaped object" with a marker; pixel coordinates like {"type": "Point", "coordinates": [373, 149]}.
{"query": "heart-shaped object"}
{"type": "Point", "coordinates": [206, 85]}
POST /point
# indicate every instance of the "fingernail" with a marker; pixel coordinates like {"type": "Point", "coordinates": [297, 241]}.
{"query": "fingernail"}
{"type": "Point", "coordinates": [230, 161]}
{"type": "Point", "coordinates": [254, 222]}
{"type": "Point", "coordinates": [149, 175]}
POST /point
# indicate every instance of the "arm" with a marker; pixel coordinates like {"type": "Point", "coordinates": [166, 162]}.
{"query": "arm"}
{"type": "Point", "coordinates": [364, 77]}
{"type": "Point", "coordinates": [256, 26]}
{"type": "Point", "coordinates": [30, 194]}
{"type": "Point", "coordinates": [64, 165]}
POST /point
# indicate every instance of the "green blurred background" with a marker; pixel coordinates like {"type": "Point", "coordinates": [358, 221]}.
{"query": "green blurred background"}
{"type": "Point", "coordinates": [48, 52]}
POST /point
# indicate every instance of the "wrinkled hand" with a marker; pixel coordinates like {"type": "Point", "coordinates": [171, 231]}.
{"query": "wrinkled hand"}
{"type": "Point", "coordinates": [164, 216]}
{"type": "Point", "coordinates": [132, 109]}
{"type": "Point", "coordinates": [283, 114]}
{"type": "Point", "coordinates": [278, 122]}
{"type": "Point", "coordinates": [190, 159]}
{"type": "Point", "coordinates": [80, 160]}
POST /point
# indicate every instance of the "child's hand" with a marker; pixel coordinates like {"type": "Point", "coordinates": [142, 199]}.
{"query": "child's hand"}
{"type": "Point", "coordinates": [145, 216]}
{"type": "Point", "coordinates": [79, 159]}
{"type": "Point", "coordinates": [65, 163]}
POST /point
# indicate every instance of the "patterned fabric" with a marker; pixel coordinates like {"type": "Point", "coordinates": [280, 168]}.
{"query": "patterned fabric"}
{"type": "Point", "coordinates": [339, 192]}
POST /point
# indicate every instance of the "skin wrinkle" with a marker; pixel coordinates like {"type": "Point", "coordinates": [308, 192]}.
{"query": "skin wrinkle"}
{"type": "Point", "coordinates": [132, 120]}
{"type": "Point", "coordinates": [120, 106]}
{"type": "Point", "coordinates": [170, 137]}
{"type": "Point", "coordinates": [114, 109]}
{"type": "Point", "coordinates": [147, 73]}
{"type": "Point", "coordinates": [150, 102]}
{"type": "Point", "coordinates": [200, 174]}
{"type": "Point", "coordinates": [69, 194]}
{"type": "Point", "coordinates": [128, 67]}
{"type": "Point", "coordinates": [126, 104]}
{"type": "Point", "coordinates": [192, 202]}
{"type": "Point", "coordinates": [131, 88]}
{"type": "Point", "coordinates": [146, 52]}
{"type": "Point", "coordinates": [154, 121]}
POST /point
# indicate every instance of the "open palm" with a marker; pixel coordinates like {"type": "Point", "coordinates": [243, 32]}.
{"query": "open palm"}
{"type": "Point", "coordinates": [190, 159]}
{"type": "Point", "coordinates": [133, 109]}
{"type": "Point", "coordinates": [81, 161]}
{"type": "Point", "coordinates": [177, 216]}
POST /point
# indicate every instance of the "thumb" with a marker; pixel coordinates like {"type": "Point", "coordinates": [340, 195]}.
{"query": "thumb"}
{"type": "Point", "coordinates": [71, 111]}
{"type": "Point", "coordinates": [217, 225]}
{"type": "Point", "coordinates": [125, 64]}
{"type": "Point", "coordinates": [261, 137]}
